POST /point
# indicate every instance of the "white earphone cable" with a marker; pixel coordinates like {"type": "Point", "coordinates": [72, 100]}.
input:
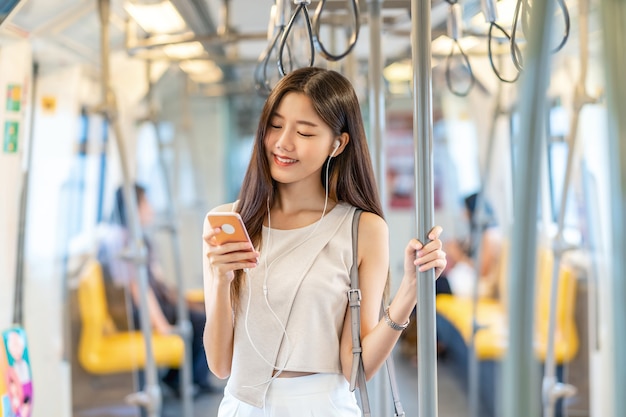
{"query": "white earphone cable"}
{"type": "Point", "coordinates": [266, 251]}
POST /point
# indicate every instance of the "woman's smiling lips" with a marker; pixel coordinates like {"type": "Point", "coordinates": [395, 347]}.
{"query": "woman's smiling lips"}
{"type": "Point", "coordinates": [284, 161]}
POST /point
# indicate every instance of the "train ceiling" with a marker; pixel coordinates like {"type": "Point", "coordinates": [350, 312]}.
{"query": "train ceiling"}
{"type": "Point", "coordinates": [68, 31]}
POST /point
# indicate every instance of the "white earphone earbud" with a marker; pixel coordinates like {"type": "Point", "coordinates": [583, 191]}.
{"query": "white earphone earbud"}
{"type": "Point", "coordinates": [336, 144]}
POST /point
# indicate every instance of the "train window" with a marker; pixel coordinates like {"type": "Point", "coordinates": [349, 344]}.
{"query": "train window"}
{"type": "Point", "coordinates": [6, 7]}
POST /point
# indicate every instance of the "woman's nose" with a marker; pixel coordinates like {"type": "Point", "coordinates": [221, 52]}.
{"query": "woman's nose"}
{"type": "Point", "coordinates": [284, 141]}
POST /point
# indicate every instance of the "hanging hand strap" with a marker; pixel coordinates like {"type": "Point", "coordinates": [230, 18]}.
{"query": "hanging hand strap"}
{"type": "Point", "coordinates": [357, 376]}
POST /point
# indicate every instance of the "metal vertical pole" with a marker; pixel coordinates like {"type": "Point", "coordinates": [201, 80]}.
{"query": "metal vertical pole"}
{"type": "Point", "coordinates": [103, 169]}
{"type": "Point", "coordinates": [614, 31]}
{"type": "Point", "coordinates": [23, 205]}
{"type": "Point", "coordinates": [552, 389]}
{"type": "Point", "coordinates": [476, 238]}
{"type": "Point", "coordinates": [183, 324]}
{"type": "Point", "coordinates": [377, 95]}
{"type": "Point", "coordinates": [521, 369]}
{"type": "Point", "coordinates": [150, 397]}
{"type": "Point", "coordinates": [380, 404]}
{"type": "Point", "coordinates": [424, 208]}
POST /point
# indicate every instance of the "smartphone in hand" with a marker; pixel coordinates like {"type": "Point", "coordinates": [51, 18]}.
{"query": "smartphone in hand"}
{"type": "Point", "coordinates": [232, 228]}
{"type": "Point", "coordinates": [231, 225]}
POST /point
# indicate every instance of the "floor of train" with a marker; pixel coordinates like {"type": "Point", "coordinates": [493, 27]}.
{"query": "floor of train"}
{"type": "Point", "coordinates": [452, 399]}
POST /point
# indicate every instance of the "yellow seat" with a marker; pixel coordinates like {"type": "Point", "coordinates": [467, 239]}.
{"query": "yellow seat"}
{"type": "Point", "coordinates": [3, 364]}
{"type": "Point", "coordinates": [492, 339]}
{"type": "Point", "coordinates": [102, 349]}
{"type": "Point", "coordinates": [195, 295]}
{"type": "Point", "coordinates": [566, 335]}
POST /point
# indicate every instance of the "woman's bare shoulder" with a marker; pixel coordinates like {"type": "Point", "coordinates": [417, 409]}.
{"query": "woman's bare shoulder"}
{"type": "Point", "coordinates": [372, 223]}
{"type": "Point", "coordinates": [372, 228]}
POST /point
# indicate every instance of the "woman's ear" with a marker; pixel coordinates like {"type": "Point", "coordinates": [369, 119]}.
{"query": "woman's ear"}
{"type": "Point", "coordinates": [340, 144]}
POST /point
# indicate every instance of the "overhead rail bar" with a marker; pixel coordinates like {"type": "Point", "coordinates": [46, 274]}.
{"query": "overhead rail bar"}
{"type": "Point", "coordinates": [317, 19]}
{"type": "Point", "coordinates": [521, 369]}
{"type": "Point", "coordinates": [455, 29]}
{"type": "Point", "coordinates": [424, 206]}
{"type": "Point", "coordinates": [135, 44]}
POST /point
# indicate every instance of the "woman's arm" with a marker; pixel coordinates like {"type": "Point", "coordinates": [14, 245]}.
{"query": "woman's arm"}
{"type": "Point", "coordinates": [219, 264]}
{"type": "Point", "coordinates": [157, 318]}
{"type": "Point", "coordinates": [377, 338]}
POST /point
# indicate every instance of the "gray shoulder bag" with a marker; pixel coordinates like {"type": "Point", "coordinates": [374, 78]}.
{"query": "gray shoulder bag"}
{"type": "Point", "coordinates": [357, 376]}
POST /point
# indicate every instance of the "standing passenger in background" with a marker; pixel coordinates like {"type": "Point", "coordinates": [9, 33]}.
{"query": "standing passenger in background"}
{"type": "Point", "coordinates": [278, 325]}
{"type": "Point", "coordinates": [162, 299]}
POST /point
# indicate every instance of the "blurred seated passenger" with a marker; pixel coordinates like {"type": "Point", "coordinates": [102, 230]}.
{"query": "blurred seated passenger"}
{"type": "Point", "coordinates": [459, 276]}
{"type": "Point", "coordinates": [460, 273]}
{"type": "Point", "coordinates": [162, 299]}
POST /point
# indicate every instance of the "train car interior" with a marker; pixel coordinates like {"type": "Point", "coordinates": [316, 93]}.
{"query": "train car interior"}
{"type": "Point", "coordinates": [125, 121]}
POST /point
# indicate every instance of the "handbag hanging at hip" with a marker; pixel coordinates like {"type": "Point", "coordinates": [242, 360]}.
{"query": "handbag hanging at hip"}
{"type": "Point", "coordinates": [357, 376]}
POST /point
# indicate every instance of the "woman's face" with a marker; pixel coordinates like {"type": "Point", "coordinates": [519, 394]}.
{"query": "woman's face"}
{"type": "Point", "coordinates": [297, 141]}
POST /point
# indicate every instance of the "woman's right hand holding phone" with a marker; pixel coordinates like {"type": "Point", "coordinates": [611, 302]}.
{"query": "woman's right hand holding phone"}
{"type": "Point", "coordinates": [226, 258]}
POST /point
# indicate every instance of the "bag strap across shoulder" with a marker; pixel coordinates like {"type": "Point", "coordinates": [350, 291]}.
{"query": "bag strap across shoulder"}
{"type": "Point", "coordinates": [357, 375]}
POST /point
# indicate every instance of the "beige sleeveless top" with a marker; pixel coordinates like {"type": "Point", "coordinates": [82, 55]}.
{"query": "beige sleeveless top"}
{"type": "Point", "coordinates": [292, 317]}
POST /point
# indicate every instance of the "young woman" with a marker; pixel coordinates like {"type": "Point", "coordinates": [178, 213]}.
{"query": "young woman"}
{"type": "Point", "coordinates": [278, 325]}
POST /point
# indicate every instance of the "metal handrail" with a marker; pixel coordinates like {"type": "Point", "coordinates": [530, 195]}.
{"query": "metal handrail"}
{"type": "Point", "coordinates": [422, 137]}
{"type": "Point", "coordinates": [613, 14]}
{"type": "Point", "coordinates": [553, 390]}
{"type": "Point", "coordinates": [521, 369]}
{"type": "Point", "coordinates": [476, 240]}
{"type": "Point", "coordinates": [150, 398]}
{"type": "Point", "coordinates": [183, 324]}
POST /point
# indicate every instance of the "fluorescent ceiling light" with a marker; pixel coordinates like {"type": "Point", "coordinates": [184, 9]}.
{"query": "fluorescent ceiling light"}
{"type": "Point", "coordinates": [185, 50]}
{"type": "Point", "coordinates": [202, 71]}
{"type": "Point", "coordinates": [160, 17]}
{"type": "Point", "coordinates": [402, 71]}
{"type": "Point", "coordinates": [399, 71]}
{"type": "Point", "coordinates": [442, 45]}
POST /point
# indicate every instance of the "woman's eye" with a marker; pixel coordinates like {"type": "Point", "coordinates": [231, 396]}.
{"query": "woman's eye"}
{"type": "Point", "coordinates": [275, 126]}
{"type": "Point", "coordinates": [305, 135]}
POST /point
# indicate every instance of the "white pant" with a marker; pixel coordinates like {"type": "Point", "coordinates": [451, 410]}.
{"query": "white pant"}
{"type": "Point", "coordinates": [318, 395]}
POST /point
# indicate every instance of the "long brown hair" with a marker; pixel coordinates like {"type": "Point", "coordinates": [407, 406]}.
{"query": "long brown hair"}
{"type": "Point", "coordinates": [351, 176]}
